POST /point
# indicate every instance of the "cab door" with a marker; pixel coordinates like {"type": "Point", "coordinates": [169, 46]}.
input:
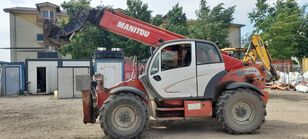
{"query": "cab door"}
{"type": "Point", "coordinates": [172, 72]}
{"type": "Point", "coordinates": [209, 63]}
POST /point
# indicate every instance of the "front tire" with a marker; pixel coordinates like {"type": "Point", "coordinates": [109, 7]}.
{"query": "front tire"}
{"type": "Point", "coordinates": [240, 111]}
{"type": "Point", "coordinates": [123, 115]}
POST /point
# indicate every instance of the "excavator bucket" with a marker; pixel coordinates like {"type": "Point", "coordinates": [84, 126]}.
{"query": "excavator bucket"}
{"type": "Point", "coordinates": [53, 35]}
{"type": "Point", "coordinates": [56, 36]}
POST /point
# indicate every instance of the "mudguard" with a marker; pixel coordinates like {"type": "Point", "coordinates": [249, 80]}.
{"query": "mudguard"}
{"type": "Point", "coordinates": [130, 90]}
{"type": "Point", "coordinates": [235, 85]}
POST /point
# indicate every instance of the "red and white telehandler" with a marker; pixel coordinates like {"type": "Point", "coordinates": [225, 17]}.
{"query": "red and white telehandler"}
{"type": "Point", "coordinates": [184, 79]}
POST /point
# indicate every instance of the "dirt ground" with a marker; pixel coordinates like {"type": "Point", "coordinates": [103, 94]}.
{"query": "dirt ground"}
{"type": "Point", "coordinates": [45, 117]}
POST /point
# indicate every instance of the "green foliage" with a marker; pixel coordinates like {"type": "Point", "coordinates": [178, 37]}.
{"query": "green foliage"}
{"type": "Point", "coordinates": [213, 24]}
{"type": "Point", "coordinates": [73, 6]}
{"type": "Point", "coordinates": [283, 27]}
{"type": "Point", "coordinates": [138, 10]}
{"type": "Point", "coordinates": [175, 20]}
{"type": "Point", "coordinates": [260, 14]}
{"type": "Point", "coordinates": [157, 20]}
{"type": "Point", "coordinates": [84, 43]}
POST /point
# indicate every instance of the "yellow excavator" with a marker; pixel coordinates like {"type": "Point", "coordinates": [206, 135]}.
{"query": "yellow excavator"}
{"type": "Point", "coordinates": [256, 49]}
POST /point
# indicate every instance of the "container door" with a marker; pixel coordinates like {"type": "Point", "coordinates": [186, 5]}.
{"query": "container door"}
{"type": "Point", "coordinates": [79, 71]}
{"type": "Point", "coordinates": [65, 82]}
{"type": "Point", "coordinates": [12, 81]}
{"type": "Point", "coordinates": [112, 71]}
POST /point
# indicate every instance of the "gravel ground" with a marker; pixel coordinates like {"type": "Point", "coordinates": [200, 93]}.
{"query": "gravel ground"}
{"type": "Point", "coordinates": [45, 117]}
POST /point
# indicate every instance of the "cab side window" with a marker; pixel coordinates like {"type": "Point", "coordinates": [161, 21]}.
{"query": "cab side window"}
{"type": "Point", "coordinates": [155, 66]}
{"type": "Point", "coordinates": [206, 54]}
{"type": "Point", "coordinates": [175, 56]}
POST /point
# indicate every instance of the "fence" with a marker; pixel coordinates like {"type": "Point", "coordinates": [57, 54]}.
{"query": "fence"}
{"type": "Point", "coordinates": [283, 65]}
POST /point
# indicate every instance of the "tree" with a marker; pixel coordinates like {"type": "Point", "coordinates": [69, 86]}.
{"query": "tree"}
{"type": "Point", "coordinates": [84, 43]}
{"type": "Point", "coordinates": [213, 24]}
{"type": "Point", "coordinates": [73, 6]}
{"type": "Point", "coordinates": [138, 10]}
{"type": "Point", "coordinates": [303, 34]}
{"type": "Point", "coordinates": [175, 20]}
{"type": "Point", "coordinates": [282, 27]}
{"type": "Point", "coordinates": [157, 20]}
{"type": "Point", "coordinates": [260, 15]}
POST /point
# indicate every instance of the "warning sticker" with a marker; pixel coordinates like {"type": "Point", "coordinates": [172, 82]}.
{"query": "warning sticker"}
{"type": "Point", "coordinates": [195, 106]}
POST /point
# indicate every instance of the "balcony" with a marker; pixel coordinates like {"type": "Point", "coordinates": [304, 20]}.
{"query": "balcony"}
{"type": "Point", "coordinates": [40, 20]}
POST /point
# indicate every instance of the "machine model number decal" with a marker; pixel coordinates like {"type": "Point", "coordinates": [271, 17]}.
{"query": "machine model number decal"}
{"type": "Point", "coordinates": [196, 106]}
{"type": "Point", "coordinates": [133, 29]}
{"type": "Point", "coordinates": [248, 71]}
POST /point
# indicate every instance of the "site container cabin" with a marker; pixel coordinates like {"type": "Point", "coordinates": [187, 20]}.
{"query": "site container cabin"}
{"type": "Point", "coordinates": [12, 78]}
{"type": "Point", "coordinates": [41, 74]}
{"type": "Point", "coordinates": [67, 87]}
{"type": "Point", "coordinates": [111, 65]}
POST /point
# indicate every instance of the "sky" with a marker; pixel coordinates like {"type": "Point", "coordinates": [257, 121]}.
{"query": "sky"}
{"type": "Point", "coordinates": [243, 7]}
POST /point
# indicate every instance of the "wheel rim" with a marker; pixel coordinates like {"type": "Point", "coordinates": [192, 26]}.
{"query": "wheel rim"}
{"type": "Point", "coordinates": [124, 118]}
{"type": "Point", "coordinates": [243, 113]}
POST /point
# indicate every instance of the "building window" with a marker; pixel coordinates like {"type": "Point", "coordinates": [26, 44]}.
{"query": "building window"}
{"type": "Point", "coordinates": [45, 14]}
{"type": "Point", "coordinates": [52, 14]}
{"type": "Point", "coordinates": [39, 37]}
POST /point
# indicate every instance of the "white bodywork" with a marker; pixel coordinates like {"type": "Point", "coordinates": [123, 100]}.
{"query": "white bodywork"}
{"type": "Point", "coordinates": [205, 73]}
{"type": "Point", "coordinates": [188, 81]}
{"type": "Point", "coordinates": [178, 82]}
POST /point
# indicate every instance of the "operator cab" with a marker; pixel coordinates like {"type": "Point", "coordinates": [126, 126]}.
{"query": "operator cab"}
{"type": "Point", "coordinates": [182, 69]}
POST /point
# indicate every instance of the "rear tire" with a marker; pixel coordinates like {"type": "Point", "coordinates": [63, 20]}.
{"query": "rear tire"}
{"type": "Point", "coordinates": [123, 115]}
{"type": "Point", "coordinates": [240, 111]}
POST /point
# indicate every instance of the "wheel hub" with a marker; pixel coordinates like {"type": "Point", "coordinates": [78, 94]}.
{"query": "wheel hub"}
{"type": "Point", "coordinates": [124, 118]}
{"type": "Point", "coordinates": [242, 112]}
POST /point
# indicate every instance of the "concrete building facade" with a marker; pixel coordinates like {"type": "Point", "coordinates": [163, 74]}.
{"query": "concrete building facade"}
{"type": "Point", "coordinates": [234, 35]}
{"type": "Point", "coordinates": [26, 33]}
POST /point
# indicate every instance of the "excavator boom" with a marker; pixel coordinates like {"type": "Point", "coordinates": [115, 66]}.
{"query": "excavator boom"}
{"type": "Point", "coordinates": [258, 49]}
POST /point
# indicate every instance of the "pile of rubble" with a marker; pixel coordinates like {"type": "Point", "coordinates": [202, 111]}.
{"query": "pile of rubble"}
{"type": "Point", "coordinates": [291, 80]}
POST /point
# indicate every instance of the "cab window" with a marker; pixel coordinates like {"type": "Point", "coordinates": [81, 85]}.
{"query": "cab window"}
{"type": "Point", "coordinates": [155, 66]}
{"type": "Point", "coordinates": [206, 54]}
{"type": "Point", "coordinates": [175, 56]}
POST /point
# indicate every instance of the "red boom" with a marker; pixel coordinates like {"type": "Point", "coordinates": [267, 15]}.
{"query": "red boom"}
{"type": "Point", "coordinates": [148, 34]}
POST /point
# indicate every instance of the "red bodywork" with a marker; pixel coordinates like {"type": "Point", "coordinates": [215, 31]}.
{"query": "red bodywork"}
{"type": "Point", "coordinates": [249, 74]}
{"type": "Point", "coordinates": [202, 108]}
{"type": "Point", "coordinates": [146, 33]}
{"type": "Point", "coordinates": [103, 95]}
{"type": "Point", "coordinates": [253, 74]}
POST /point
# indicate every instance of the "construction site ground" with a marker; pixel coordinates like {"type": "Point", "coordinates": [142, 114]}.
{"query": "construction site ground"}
{"type": "Point", "coordinates": [46, 117]}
